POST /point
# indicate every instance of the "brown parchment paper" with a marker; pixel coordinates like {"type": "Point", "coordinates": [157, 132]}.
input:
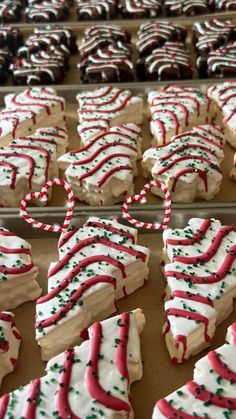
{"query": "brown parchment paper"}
{"type": "Point", "coordinates": [160, 376]}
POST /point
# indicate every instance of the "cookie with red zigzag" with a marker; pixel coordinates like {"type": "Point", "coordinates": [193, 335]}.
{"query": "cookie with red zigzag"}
{"type": "Point", "coordinates": [176, 109]}
{"type": "Point", "coordinates": [102, 172]}
{"type": "Point", "coordinates": [10, 340]}
{"type": "Point", "coordinates": [88, 381]}
{"type": "Point", "coordinates": [212, 392]}
{"type": "Point", "coordinates": [28, 162]}
{"type": "Point", "coordinates": [98, 264]}
{"type": "Point", "coordinates": [189, 165]}
{"type": "Point", "coordinates": [224, 97]}
{"type": "Point", "coordinates": [17, 271]}
{"type": "Point", "coordinates": [106, 107]}
{"type": "Point", "coordinates": [28, 110]}
{"type": "Point", "coordinates": [199, 264]}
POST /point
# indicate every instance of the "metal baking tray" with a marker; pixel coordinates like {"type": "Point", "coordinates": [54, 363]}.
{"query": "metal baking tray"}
{"type": "Point", "coordinates": [227, 192]}
{"type": "Point", "coordinates": [160, 376]}
{"type": "Point", "coordinates": [74, 22]}
{"type": "Point", "coordinates": [72, 76]}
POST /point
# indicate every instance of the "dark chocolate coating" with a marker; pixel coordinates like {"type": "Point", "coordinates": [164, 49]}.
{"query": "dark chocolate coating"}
{"type": "Point", "coordinates": [96, 9]}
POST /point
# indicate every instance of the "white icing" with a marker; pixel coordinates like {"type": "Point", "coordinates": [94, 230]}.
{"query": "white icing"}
{"type": "Point", "coordinates": [205, 375]}
{"type": "Point", "coordinates": [9, 344]}
{"type": "Point", "coordinates": [164, 164]}
{"type": "Point", "coordinates": [220, 293]}
{"type": "Point", "coordinates": [98, 300]}
{"type": "Point", "coordinates": [80, 400]}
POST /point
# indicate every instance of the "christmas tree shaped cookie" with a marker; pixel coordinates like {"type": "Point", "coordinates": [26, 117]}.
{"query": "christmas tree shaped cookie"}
{"type": "Point", "coordinates": [211, 393]}
{"type": "Point", "coordinates": [199, 264]}
{"type": "Point", "coordinates": [88, 381]}
{"type": "Point", "coordinates": [98, 264]}
{"type": "Point", "coordinates": [17, 271]}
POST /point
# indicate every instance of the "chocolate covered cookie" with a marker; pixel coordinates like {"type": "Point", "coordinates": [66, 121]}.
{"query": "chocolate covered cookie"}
{"type": "Point", "coordinates": [96, 9]}
{"type": "Point", "coordinates": [138, 9]}
{"type": "Point", "coordinates": [186, 7]}
{"type": "Point", "coordinates": [170, 62]}
{"type": "Point", "coordinates": [47, 11]}
{"type": "Point", "coordinates": [112, 64]}
{"type": "Point", "coordinates": [153, 35]}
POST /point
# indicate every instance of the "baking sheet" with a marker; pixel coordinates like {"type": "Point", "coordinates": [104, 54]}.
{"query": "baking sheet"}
{"type": "Point", "coordinates": [72, 76]}
{"type": "Point", "coordinates": [73, 19]}
{"type": "Point", "coordinates": [227, 191]}
{"type": "Point", "coordinates": [160, 376]}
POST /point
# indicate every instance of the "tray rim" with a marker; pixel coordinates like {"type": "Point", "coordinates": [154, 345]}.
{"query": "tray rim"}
{"type": "Point", "coordinates": [129, 22]}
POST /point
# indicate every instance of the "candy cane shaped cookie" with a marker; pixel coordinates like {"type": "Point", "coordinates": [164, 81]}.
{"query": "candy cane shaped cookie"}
{"type": "Point", "coordinates": [43, 196]}
{"type": "Point", "coordinates": [142, 199]}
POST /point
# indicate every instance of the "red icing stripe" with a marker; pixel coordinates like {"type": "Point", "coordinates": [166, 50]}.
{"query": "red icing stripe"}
{"type": "Point", "coordinates": [111, 172]}
{"type": "Point", "coordinates": [6, 233]}
{"type": "Point", "coordinates": [6, 317]}
{"type": "Point", "coordinates": [13, 172]}
{"type": "Point", "coordinates": [111, 229]}
{"type": "Point", "coordinates": [94, 240]}
{"type": "Point", "coordinates": [12, 251]}
{"type": "Point", "coordinates": [19, 270]}
{"type": "Point", "coordinates": [66, 237]}
{"type": "Point", "coordinates": [182, 158]}
{"type": "Point", "coordinates": [220, 367]}
{"type": "Point", "coordinates": [4, 401]}
{"type": "Point", "coordinates": [104, 111]}
{"type": "Point", "coordinates": [92, 374]}
{"type": "Point", "coordinates": [30, 160]}
{"type": "Point", "coordinates": [113, 144]}
{"type": "Point", "coordinates": [30, 407]}
{"type": "Point", "coordinates": [73, 300]}
{"type": "Point", "coordinates": [190, 315]}
{"type": "Point", "coordinates": [196, 238]}
{"type": "Point", "coordinates": [171, 413]}
{"type": "Point", "coordinates": [210, 279]}
{"type": "Point", "coordinates": [108, 101]}
{"type": "Point", "coordinates": [200, 393]}
{"type": "Point", "coordinates": [161, 124]}
{"type": "Point", "coordinates": [212, 249]}
{"type": "Point", "coordinates": [200, 173]}
{"type": "Point", "coordinates": [122, 346]}
{"type": "Point", "coordinates": [186, 295]}
{"type": "Point", "coordinates": [62, 402]}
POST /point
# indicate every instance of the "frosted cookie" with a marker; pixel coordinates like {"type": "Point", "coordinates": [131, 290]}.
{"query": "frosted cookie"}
{"type": "Point", "coordinates": [17, 272]}
{"type": "Point", "coordinates": [9, 344]}
{"type": "Point", "coordinates": [98, 264]}
{"type": "Point", "coordinates": [199, 267]}
{"type": "Point", "coordinates": [233, 171]}
{"type": "Point", "coordinates": [175, 110]}
{"type": "Point", "coordinates": [153, 35]}
{"type": "Point", "coordinates": [212, 392]}
{"type": "Point", "coordinates": [102, 172]}
{"type": "Point", "coordinates": [138, 9]}
{"type": "Point", "coordinates": [224, 97]}
{"type": "Point", "coordinates": [186, 7]}
{"type": "Point", "coordinates": [189, 165]}
{"type": "Point", "coordinates": [47, 11]}
{"type": "Point", "coordinates": [96, 9]}
{"type": "Point", "coordinates": [112, 64]}
{"type": "Point", "coordinates": [90, 380]}
{"type": "Point", "coordinates": [101, 36]}
{"type": "Point", "coordinates": [40, 68]}
{"type": "Point", "coordinates": [31, 109]}
{"type": "Point", "coordinates": [222, 62]}
{"type": "Point", "coordinates": [209, 36]}
{"type": "Point", "coordinates": [106, 107]}
{"type": "Point", "coordinates": [61, 34]}
{"type": "Point", "coordinates": [169, 62]}
{"type": "Point", "coordinates": [222, 5]}
{"type": "Point", "coordinates": [28, 162]}
{"type": "Point", "coordinates": [54, 139]}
